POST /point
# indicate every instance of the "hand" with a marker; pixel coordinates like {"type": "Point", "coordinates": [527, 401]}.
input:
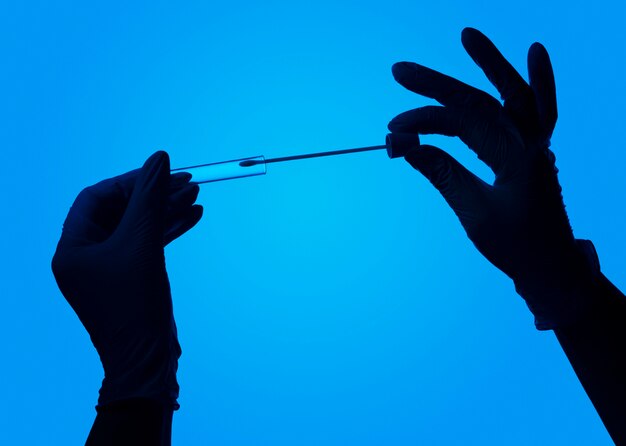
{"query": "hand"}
{"type": "Point", "coordinates": [110, 266]}
{"type": "Point", "coordinates": [519, 222]}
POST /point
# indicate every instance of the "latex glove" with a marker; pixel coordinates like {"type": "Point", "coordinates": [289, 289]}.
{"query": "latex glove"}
{"type": "Point", "coordinates": [519, 222]}
{"type": "Point", "coordinates": [110, 266]}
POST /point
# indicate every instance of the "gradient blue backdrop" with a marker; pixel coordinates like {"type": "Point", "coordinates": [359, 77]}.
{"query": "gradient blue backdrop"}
{"type": "Point", "coordinates": [333, 301]}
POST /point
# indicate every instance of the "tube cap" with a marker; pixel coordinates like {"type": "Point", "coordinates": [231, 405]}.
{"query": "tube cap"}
{"type": "Point", "coordinates": [398, 144]}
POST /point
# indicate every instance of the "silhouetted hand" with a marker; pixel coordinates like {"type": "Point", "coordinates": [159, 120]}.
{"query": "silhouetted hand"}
{"type": "Point", "coordinates": [519, 222]}
{"type": "Point", "coordinates": [110, 266]}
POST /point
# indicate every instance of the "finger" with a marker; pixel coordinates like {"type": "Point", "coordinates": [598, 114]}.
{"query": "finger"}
{"type": "Point", "coordinates": [511, 86]}
{"type": "Point", "coordinates": [444, 89]}
{"type": "Point", "coordinates": [450, 121]}
{"type": "Point", "coordinates": [179, 179]}
{"type": "Point", "coordinates": [145, 213]}
{"type": "Point", "coordinates": [95, 213]}
{"type": "Point", "coordinates": [120, 188]}
{"type": "Point", "coordinates": [182, 198]}
{"type": "Point", "coordinates": [428, 120]}
{"type": "Point", "coordinates": [462, 190]}
{"type": "Point", "coordinates": [80, 227]}
{"type": "Point", "coordinates": [125, 183]}
{"type": "Point", "coordinates": [178, 224]}
{"type": "Point", "coordinates": [98, 209]}
{"type": "Point", "coordinates": [543, 85]}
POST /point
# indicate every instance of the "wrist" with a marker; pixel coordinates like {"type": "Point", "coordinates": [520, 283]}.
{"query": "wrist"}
{"type": "Point", "coordinates": [147, 370]}
{"type": "Point", "coordinates": [561, 296]}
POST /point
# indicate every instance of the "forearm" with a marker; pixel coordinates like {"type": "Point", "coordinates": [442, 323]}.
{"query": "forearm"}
{"type": "Point", "coordinates": [595, 346]}
{"type": "Point", "coordinates": [132, 422]}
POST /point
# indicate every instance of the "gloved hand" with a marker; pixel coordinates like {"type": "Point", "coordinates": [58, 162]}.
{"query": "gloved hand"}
{"type": "Point", "coordinates": [110, 266]}
{"type": "Point", "coordinates": [519, 222]}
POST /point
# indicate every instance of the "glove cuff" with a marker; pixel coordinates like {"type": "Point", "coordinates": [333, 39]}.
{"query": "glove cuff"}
{"type": "Point", "coordinates": [147, 371]}
{"type": "Point", "coordinates": [564, 296]}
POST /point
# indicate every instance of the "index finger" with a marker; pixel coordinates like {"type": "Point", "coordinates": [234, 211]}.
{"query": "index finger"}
{"type": "Point", "coordinates": [121, 186]}
{"type": "Point", "coordinates": [98, 209]}
{"type": "Point", "coordinates": [444, 89]}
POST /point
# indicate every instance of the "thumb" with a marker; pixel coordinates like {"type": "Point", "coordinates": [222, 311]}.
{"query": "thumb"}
{"type": "Point", "coordinates": [461, 189]}
{"type": "Point", "coordinates": [148, 203]}
{"type": "Point", "coordinates": [542, 82]}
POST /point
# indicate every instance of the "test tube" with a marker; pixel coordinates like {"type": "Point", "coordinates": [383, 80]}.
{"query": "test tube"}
{"type": "Point", "coordinates": [225, 170]}
{"type": "Point", "coordinates": [397, 145]}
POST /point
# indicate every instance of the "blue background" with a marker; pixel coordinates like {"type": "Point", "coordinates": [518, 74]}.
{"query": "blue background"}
{"type": "Point", "coordinates": [333, 301]}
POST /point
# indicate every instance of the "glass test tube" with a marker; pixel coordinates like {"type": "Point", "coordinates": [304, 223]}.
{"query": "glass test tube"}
{"type": "Point", "coordinates": [225, 170]}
